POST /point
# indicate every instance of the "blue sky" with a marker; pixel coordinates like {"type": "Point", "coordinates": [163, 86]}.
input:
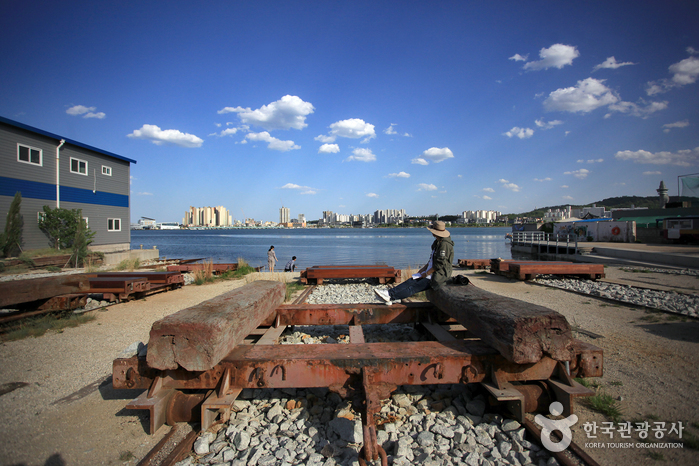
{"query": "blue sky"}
{"type": "Point", "coordinates": [429, 106]}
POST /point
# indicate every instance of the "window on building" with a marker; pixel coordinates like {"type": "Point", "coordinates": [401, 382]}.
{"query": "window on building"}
{"type": "Point", "coordinates": [28, 154]}
{"type": "Point", "coordinates": [78, 166]}
{"type": "Point", "coordinates": [114, 224]}
{"type": "Point", "coordinates": [106, 170]}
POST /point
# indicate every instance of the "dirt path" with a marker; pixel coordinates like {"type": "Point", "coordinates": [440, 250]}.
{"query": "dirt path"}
{"type": "Point", "coordinates": [68, 413]}
{"type": "Point", "coordinates": [650, 361]}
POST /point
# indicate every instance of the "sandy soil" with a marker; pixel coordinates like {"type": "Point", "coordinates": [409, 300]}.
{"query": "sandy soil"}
{"type": "Point", "coordinates": [68, 413]}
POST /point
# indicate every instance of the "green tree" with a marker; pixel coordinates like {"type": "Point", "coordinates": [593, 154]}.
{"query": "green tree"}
{"type": "Point", "coordinates": [61, 226]}
{"type": "Point", "coordinates": [83, 238]}
{"type": "Point", "coordinates": [11, 240]}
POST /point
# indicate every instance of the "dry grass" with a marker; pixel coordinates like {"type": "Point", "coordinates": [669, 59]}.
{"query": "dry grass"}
{"type": "Point", "coordinates": [206, 274]}
{"type": "Point", "coordinates": [128, 264]}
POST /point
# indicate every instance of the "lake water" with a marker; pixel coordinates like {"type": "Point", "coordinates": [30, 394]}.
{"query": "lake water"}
{"type": "Point", "coordinates": [396, 247]}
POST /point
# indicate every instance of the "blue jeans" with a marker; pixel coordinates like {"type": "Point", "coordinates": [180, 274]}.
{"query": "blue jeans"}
{"type": "Point", "coordinates": [409, 288]}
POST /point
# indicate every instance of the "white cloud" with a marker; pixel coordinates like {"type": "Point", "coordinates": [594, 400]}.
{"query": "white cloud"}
{"type": "Point", "coordinates": [586, 96]}
{"type": "Point", "coordinates": [682, 158]}
{"type": "Point", "coordinates": [435, 154]}
{"type": "Point", "coordinates": [399, 175]}
{"type": "Point", "coordinates": [289, 112]}
{"type": "Point", "coordinates": [652, 173]}
{"type": "Point", "coordinates": [683, 73]}
{"type": "Point", "coordinates": [362, 155]}
{"type": "Point", "coordinates": [488, 190]}
{"type": "Point", "coordinates": [511, 186]}
{"type": "Point", "coordinates": [522, 133]}
{"type": "Point", "coordinates": [272, 142]}
{"type": "Point", "coordinates": [353, 128]}
{"type": "Point", "coordinates": [419, 161]}
{"type": "Point", "coordinates": [642, 110]}
{"type": "Point", "coordinates": [568, 198]}
{"type": "Point", "coordinates": [611, 63]}
{"type": "Point", "coordinates": [145, 194]}
{"type": "Point", "coordinates": [565, 186]}
{"type": "Point", "coordinates": [677, 124]}
{"type": "Point", "coordinates": [86, 112]}
{"type": "Point", "coordinates": [372, 195]}
{"type": "Point", "coordinates": [168, 136]}
{"type": "Point", "coordinates": [426, 187]}
{"type": "Point", "coordinates": [556, 56]}
{"type": "Point", "coordinates": [329, 149]}
{"type": "Point", "coordinates": [591, 161]}
{"type": "Point", "coordinates": [547, 124]}
{"type": "Point", "coordinates": [580, 174]}
{"type": "Point", "coordinates": [227, 132]}
{"type": "Point", "coordinates": [303, 189]}
{"type": "Point", "coordinates": [542, 180]}
{"type": "Point", "coordinates": [390, 129]}
{"type": "Point", "coordinates": [518, 57]}
{"type": "Point", "coordinates": [487, 198]}
{"type": "Point", "coordinates": [407, 135]}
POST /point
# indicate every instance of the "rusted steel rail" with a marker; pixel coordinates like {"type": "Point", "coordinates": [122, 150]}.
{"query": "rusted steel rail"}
{"type": "Point", "coordinates": [526, 270]}
{"type": "Point", "coordinates": [318, 273]}
{"type": "Point", "coordinates": [16, 292]}
{"type": "Point", "coordinates": [476, 264]}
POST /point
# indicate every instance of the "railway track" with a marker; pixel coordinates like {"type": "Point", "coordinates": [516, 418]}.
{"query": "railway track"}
{"type": "Point", "coordinates": [261, 365]}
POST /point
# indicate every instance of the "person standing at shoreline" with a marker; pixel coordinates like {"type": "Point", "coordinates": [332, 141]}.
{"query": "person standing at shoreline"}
{"type": "Point", "coordinates": [433, 275]}
{"type": "Point", "coordinates": [271, 258]}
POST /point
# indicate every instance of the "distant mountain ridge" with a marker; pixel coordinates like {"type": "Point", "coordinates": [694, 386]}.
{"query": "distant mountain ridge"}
{"type": "Point", "coordinates": [622, 202]}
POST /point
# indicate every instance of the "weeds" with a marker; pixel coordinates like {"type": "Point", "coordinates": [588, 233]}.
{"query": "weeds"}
{"type": "Point", "coordinates": [616, 384]}
{"type": "Point", "coordinates": [129, 264]}
{"type": "Point", "coordinates": [53, 268]}
{"type": "Point", "coordinates": [126, 456]}
{"type": "Point", "coordinates": [691, 440]}
{"type": "Point", "coordinates": [38, 326]}
{"type": "Point", "coordinates": [291, 289]}
{"type": "Point", "coordinates": [205, 274]}
{"type": "Point", "coordinates": [588, 383]}
{"type": "Point", "coordinates": [605, 404]}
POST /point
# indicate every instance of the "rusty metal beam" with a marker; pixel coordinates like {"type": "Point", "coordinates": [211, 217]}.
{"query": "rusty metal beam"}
{"type": "Point", "coordinates": [326, 365]}
{"type": "Point", "coordinates": [359, 314]}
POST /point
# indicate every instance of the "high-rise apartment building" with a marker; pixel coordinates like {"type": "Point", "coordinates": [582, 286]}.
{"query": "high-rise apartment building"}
{"type": "Point", "coordinates": [208, 217]}
{"type": "Point", "coordinates": [284, 215]}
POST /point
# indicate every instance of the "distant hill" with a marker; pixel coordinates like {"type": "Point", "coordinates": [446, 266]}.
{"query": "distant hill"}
{"type": "Point", "coordinates": [623, 202]}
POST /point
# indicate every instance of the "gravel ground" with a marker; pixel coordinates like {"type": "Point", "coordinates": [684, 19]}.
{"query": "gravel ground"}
{"type": "Point", "coordinates": [64, 411]}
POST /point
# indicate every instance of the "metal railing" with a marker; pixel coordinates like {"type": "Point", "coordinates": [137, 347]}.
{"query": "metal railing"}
{"type": "Point", "coordinates": [549, 240]}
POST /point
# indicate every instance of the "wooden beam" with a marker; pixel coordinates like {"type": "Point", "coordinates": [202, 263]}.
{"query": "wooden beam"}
{"type": "Point", "coordinates": [197, 338]}
{"type": "Point", "coordinates": [523, 333]}
{"type": "Point", "coordinates": [24, 291]}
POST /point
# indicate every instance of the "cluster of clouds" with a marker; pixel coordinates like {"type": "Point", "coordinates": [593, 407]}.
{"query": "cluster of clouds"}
{"type": "Point", "coordinates": [590, 93]}
{"type": "Point", "coordinates": [85, 112]}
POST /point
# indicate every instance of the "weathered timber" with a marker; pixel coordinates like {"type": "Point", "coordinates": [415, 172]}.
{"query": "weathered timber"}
{"type": "Point", "coordinates": [197, 338]}
{"type": "Point", "coordinates": [24, 291]}
{"type": "Point", "coordinates": [523, 333]}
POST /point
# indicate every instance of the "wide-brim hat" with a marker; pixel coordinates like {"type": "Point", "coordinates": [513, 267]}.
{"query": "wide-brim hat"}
{"type": "Point", "coordinates": [438, 228]}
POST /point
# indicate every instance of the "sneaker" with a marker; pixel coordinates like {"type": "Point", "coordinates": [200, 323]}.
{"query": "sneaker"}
{"type": "Point", "coordinates": [383, 294]}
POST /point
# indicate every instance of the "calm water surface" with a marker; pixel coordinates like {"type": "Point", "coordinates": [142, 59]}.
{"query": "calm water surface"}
{"type": "Point", "coordinates": [398, 248]}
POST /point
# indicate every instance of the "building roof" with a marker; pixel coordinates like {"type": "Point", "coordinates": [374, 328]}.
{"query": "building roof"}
{"type": "Point", "coordinates": [651, 221]}
{"type": "Point", "coordinates": [72, 142]}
